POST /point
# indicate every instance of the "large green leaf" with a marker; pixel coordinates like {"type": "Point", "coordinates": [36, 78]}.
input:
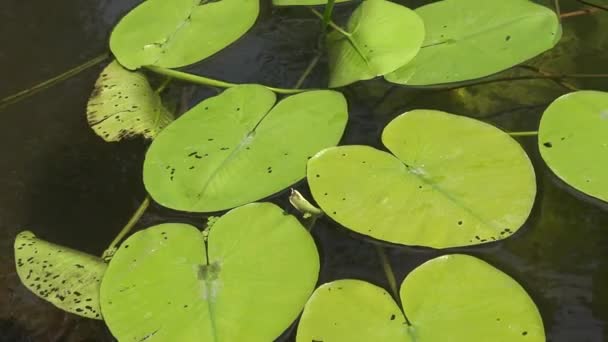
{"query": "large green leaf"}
{"type": "Point", "coordinates": [67, 278]}
{"type": "Point", "coordinates": [573, 141]}
{"type": "Point", "coordinates": [302, 2]}
{"type": "Point", "coordinates": [382, 37]}
{"type": "Point", "coordinates": [451, 181]}
{"type": "Point", "coordinates": [124, 105]}
{"type": "Point", "coordinates": [233, 149]}
{"type": "Point", "coordinates": [176, 33]}
{"type": "Point", "coordinates": [249, 284]}
{"type": "Point", "coordinates": [450, 298]}
{"type": "Point", "coordinates": [467, 39]}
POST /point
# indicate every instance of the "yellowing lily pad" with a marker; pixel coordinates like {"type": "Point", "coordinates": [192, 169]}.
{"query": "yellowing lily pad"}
{"type": "Point", "coordinates": [467, 39]}
{"type": "Point", "coordinates": [573, 141]}
{"type": "Point", "coordinates": [176, 33]}
{"type": "Point", "coordinates": [381, 37]}
{"type": "Point", "coordinates": [248, 281]}
{"type": "Point", "coordinates": [123, 105]}
{"type": "Point", "coordinates": [450, 298]}
{"type": "Point", "coordinates": [235, 148]}
{"type": "Point", "coordinates": [450, 181]}
{"type": "Point", "coordinates": [66, 278]}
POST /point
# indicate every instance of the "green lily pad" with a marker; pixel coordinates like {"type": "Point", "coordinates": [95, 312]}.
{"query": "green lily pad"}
{"type": "Point", "coordinates": [176, 33]}
{"type": "Point", "coordinates": [123, 105]}
{"type": "Point", "coordinates": [66, 278]}
{"type": "Point", "coordinates": [451, 181]}
{"type": "Point", "coordinates": [573, 141]}
{"type": "Point", "coordinates": [235, 148]}
{"type": "Point", "coordinates": [450, 298]}
{"type": "Point", "coordinates": [468, 39]}
{"type": "Point", "coordinates": [302, 2]}
{"type": "Point", "coordinates": [371, 48]}
{"type": "Point", "coordinates": [247, 282]}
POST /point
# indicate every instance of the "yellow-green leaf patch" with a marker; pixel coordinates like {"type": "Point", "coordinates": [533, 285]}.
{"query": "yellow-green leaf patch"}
{"type": "Point", "coordinates": [450, 181]}
{"type": "Point", "coordinates": [123, 105]}
{"type": "Point", "coordinates": [450, 298]}
{"type": "Point", "coordinates": [176, 33]}
{"type": "Point", "coordinates": [381, 37]}
{"type": "Point", "coordinates": [573, 141]}
{"type": "Point", "coordinates": [247, 281]}
{"type": "Point", "coordinates": [66, 278]}
{"type": "Point", "coordinates": [235, 148]}
{"type": "Point", "coordinates": [467, 39]}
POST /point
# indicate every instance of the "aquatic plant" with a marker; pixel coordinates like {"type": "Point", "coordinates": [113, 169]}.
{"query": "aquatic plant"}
{"type": "Point", "coordinates": [448, 180]}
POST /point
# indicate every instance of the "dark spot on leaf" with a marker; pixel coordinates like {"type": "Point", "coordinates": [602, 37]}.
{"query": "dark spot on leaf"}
{"type": "Point", "coordinates": [548, 144]}
{"type": "Point", "coordinates": [507, 38]}
{"type": "Point", "coordinates": [524, 333]}
{"type": "Point", "coordinates": [392, 317]}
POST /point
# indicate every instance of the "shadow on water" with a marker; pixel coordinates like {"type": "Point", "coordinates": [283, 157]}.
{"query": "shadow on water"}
{"type": "Point", "coordinates": [65, 184]}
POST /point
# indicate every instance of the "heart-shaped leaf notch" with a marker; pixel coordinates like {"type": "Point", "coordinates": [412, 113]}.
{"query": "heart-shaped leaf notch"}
{"type": "Point", "coordinates": [450, 298]}
{"type": "Point", "coordinates": [235, 148]}
{"type": "Point", "coordinates": [123, 105]}
{"type": "Point", "coordinates": [468, 39]}
{"type": "Point", "coordinates": [176, 33]}
{"type": "Point", "coordinates": [451, 181]}
{"type": "Point", "coordinates": [370, 46]}
{"type": "Point", "coordinates": [247, 281]}
{"type": "Point", "coordinates": [573, 141]}
{"type": "Point", "coordinates": [67, 278]}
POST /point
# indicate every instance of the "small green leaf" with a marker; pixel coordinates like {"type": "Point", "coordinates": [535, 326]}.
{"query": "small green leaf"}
{"type": "Point", "coordinates": [468, 39]}
{"type": "Point", "coordinates": [249, 282]}
{"type": "Point", "coordinates": [451, 181]}
{"type": "Point", "coordinates": [66, 278]}
{"type": "Point", "coordinates": [573, 141]}
{"type": "Point", "coordinates": [383, 37]}
{"type": "Point", "coordinates": [176, 33]}
{"type": "Point", "coordinates": [450, 298]}
{"type": "Point", "coordinates": [235, 148]}
{"type": "Point", "coordinates": [302, 2]}
{"type": "Point", "coordinates": [123, 105]}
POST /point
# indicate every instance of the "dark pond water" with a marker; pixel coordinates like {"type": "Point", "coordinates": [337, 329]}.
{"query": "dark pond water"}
{"type": "Point", "coordinates": [62, 182]}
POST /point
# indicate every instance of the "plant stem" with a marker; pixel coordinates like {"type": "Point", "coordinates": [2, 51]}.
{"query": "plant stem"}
{"type": "Point", "coordinates": [584, 11]}
{"type": "Point", "coordinates": [329, 8]}
{"type": "Point", "coordinates": [346, 35]}
{"type": "Point", "coordinates": [524, 134]}
{"type": "Point", "coordinates": [590, 4]}
{"type": "Point", "coordinates": [311, 66]}
{"type": "Point", "coordinates": [52, 81]}
{"type": "Point", "coordinates": [558, 10]}
{"type": "Point", "coordinates": [196, 79]}
{"type": "Point", "coordinates": [109, 252]}
{"type": "Point", "coordinates": [542, 72]}
{"type": "Point", "coordinates": [163, 85]}
{"type": "Point", "coordinates": [330, 23]}
{"type": "Point", "coordinates": [390, 277]}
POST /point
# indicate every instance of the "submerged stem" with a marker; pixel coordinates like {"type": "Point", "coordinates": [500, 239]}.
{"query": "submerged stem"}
{"type": "Point", "coordinates": [590, 4]}
{"type": "Point", "coordinates": [196, 79]}
{"type": "Point", "coordinates": [163, 85]}
{"type": "Point", "coordinates": [311, 66]}
{"type": "Point", "coordinates": [390, 276]}
{"type": "Point", "coordinates": [109, 252]}
{"type": "Point", "coordinates": [558, 10]}
{"type": "Point", "coordinates": [523, 134]}
{"type": "Point", "coordinates": [584, 11]}
{"type": "Point", "coordinates": [52, 81]}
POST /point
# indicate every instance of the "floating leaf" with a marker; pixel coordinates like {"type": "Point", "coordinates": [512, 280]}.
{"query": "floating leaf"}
{"type": "Point", "coordinates": [123, 105]}
{"type": "Point", "coordinates": [452, 181]}
{"type": "Point", "coordinates": [66, 278]}
{"type": "Point", "coordinates": [573, 141]}
{"type": "Point", "coordinates": [371, 49]}
{"type": "Point", "coordinates": [467, 39]}
{"type": "Point", "coordinates": [176, 33]}
{"type": "Point", "coordinates": [450, 298]}
{"type": "Point", "coordinates": [233, 149]}
{"type": "Point", "coordinates": [302, 2]}
{"type": "Point", "coordinates": [247, 282]}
